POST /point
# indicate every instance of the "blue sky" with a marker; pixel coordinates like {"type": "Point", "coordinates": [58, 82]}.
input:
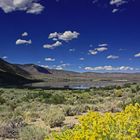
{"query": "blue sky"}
{"type": "Point", "coordinates": [79, 35]}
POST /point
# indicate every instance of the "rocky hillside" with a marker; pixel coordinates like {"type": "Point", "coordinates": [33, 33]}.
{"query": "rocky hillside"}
{"type": "Point", "coordinates": [11, 74]}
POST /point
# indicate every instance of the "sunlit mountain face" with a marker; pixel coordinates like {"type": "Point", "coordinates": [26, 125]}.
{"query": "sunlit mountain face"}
{"type": "Point", "coordinates": [82, 35]}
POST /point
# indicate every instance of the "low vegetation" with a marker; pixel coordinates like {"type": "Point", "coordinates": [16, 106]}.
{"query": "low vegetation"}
{"type": "Point", "coordinates": [34, 114]}
{"type": "Point", "coordinates": [124, 125]}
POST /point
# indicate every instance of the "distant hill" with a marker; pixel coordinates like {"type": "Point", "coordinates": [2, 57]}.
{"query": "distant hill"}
{"type": "Point", "coordinates": [12, 68]}
{"type": "Point", "coordinates": [33, 69]}
{"type": "Point", "coordinates": [45, 73]}
{"type": "Point", "coordinates": [20, 74]}
{"type": "Point", "coordinates": [113, 76]}
{"type": "Point", "coordinates": [11, 74]}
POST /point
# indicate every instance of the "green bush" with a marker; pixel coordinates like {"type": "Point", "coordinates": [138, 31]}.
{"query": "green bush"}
{"type": "Point", "coordinates": [118, 93]}
{"type": "Point", "coordinates": [10, 129]}
{"type": "Point", "coordinates": [32, 133]}
{"type": "Point", "coordinates": [56, 99]}
{"type": "Point", "coordinates": [2, 100]}
{"type": "Point", "coordinates": [74, 110]}
{"type": "Point", "coordinates": [54, 117]}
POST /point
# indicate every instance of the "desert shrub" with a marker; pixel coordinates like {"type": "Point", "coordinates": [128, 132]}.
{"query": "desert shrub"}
{"type": "Point", "coordinates": [84, 98]}
{"type": "Point", "coordinates": [118, 93]}
{"type": "Point", "coordinates": [87, 90]}
{"type": "Point", "coordinates": [11, 128]}
{"type": "Point", "coordinates": [94, 100]}
{"type": "Point", "coordinates": [102, 93]}
{"type": "Point", "coordinates": [54, 117]}
{"type": "Point", "coordinates": [136, 100]}
{"type": "Point", "coordinates": [43, 96]}
{"type": "Point", "coordinates": [56, 99]}
{"type": "Point", "coordinates": [109, 126]}
{"type": "Point", "coordinates": [127, 90]}
{"type": "Point", "coordinates": [134, 90]}
{"type": "Point", "coordinates": [72, 100]}
{"type": "Point", "coordinates": [118, 87]}
{"type": "Point", "coordinates": [32, 133]}
{"type": "Point", "coordinates": [12, 105]}
{"type": "Point", "coordinates": [30, 116]}
{"type": "Point", "coordinates": [1, 91]}
{"type": "Point", "coordinates": [2, 100]}
{"type": "Point", "coordinates": [108, 87]}
{"type": "Point", "coordinates": [72, 110]}
{"type": "Point", "coordinates": [127, 85]}
{"type": "Point", "coordinates": [137, 88]}
{"type": "Point", "coordinates": [128, 101]}
{"type": "Point", "coordinates": [87, 107]}
{"type": "Point", "coordinates": [6, 114]}
{"type": "Point", "coordinates": [75, 110]}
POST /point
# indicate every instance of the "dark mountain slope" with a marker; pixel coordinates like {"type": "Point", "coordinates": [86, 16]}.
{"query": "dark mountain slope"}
{"type": "Point", "coordinates": [34, 69]}
{"type": "Point", "coordinates": [13, 69]}
{"type": "Point", "coordinates": [11, 74]}
{"type": "Point", "coordinates": [20, 74]}
{"type": "Point", "coordinates": [46, 74]}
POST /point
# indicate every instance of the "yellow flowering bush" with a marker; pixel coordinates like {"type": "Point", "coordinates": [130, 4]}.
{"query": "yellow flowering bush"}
{"type": "Point", "coordinates": [123, 125]}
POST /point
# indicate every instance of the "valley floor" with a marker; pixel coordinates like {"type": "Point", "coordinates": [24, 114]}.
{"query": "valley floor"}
{"type": "Point", "coordinates": [33, 114]}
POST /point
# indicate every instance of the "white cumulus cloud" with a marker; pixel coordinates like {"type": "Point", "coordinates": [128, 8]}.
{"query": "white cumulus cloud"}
{"type": "Point", "coordinates": [103, 45]}
{"type": "Point", "coordinates": [36, 8]}
{"type": "Point", "coordinates": [21, 41]}
{"type": "Point", "coordinates": [60, 37]}
{"type": "Point", "coordinates": [137, 55]}
{"type": "Point", "coordinates": [72, 50]}
{"type": "Point", "coordinates": [29, 6]}
{"type": "Point", "coordinates": [82, 59]}
{"type": "Point", "coordinates": [44, 66]}
{"type": "Point", "coordinates": [110, 68]}
{"type": "Point", "coordinates": [101, 49]}
{"type": "Point", "coordinates": [93, 52]}
{"type": "Point", "coordinates": [4, 57]}
{"type": "Point", "coordinates": [112, 57]}
{"type": "Point", "coordinates": [25, 34]}
{"type": "Point", "coordinates": [66, 36]}
{"type": "Point", "coordinates": [115, 10]}
{"type": "Point", "coordinates": [117, 2]}
{"type": "Point", "coordinates": [52, 46]}
{"type": "Point", "coordinates": [49, 59]}
{"type": "Point", "coordinates": [61, 66]}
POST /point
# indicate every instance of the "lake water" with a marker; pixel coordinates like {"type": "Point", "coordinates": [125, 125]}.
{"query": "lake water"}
{"type": "Point", "coordinates": [75, 85]}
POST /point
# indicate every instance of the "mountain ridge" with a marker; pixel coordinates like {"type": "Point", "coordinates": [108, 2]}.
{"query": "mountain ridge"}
{"type": "Point", "coordinates": [30, 72]}
{"type": "Point", "coordinates": [11, 74]}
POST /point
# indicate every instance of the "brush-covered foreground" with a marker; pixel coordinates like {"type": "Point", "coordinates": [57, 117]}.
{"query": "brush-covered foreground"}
{"type": "Point", "coordinates": [124, 125]}
{"type": "Point", "coordinates": [34, 114]}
